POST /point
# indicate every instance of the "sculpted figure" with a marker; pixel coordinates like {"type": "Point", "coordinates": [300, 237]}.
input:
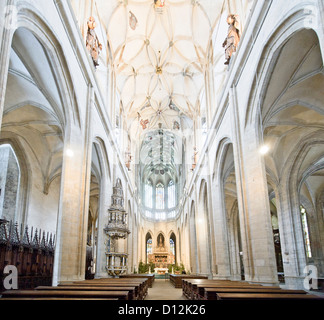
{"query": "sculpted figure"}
{"type": "Point", "coordinates": [159, 3]}
{"type": "Point", "coordinates": [194, 159]}
{"type": "Point", "coordinates": [92, 43]}
{"type": "Point", "coordinates": [233, 37]}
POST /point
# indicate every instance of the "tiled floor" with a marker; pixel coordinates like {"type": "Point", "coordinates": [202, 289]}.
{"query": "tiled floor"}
{"type": "Point", "coordinates": [164, 290]}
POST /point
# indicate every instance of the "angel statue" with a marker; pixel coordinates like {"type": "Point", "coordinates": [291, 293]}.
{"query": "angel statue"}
{"type": "Point", "coordinates": [233, 37]}
{"type": "Point", "coordinates": [92, 43]}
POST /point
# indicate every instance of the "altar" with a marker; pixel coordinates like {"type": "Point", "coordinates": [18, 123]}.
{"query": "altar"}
{"type": "Point", "coordinates": [161, 270]}
{"type": "Point", "coordinates": [161, 257]}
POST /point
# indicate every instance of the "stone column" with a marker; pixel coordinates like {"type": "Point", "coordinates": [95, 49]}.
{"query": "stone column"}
{"type": "Point", "coordinates": [256, 214]}
{"type": "Point", "coordinates": [69, 262]}
{"type": "Point", "coordinates": [8, 25]}
{"type": "Point", "coordinates": [210, 95]}
{"type": "Point", "coordinates": [72, 222]}
{"type": "Point", "coordinates": [253, 201]}
{"type": "Point", "coordinates": [130, 241]}
{"type": "Point", "coordinates": [105, 196]}
{"type": "Point", "coordinates": [221, 232]}
{"type": "Point", "coordinates": [193, 240]}
{"type": "Point", "coordinates": [291, 237]}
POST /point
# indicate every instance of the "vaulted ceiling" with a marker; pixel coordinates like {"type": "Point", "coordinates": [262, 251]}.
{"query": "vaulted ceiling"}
{"type": "Point", "coordinates": [160, 55]}
{"type": "Point", "coordinates": [293, 117]}
{"type": "Point", "coordinates": [33, 116]}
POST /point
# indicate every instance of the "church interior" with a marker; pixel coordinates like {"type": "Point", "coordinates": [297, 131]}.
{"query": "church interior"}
{"type": "Point", "coordinates": [165, 140]}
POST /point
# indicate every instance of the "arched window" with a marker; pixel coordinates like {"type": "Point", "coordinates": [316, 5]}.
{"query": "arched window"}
{"type": "Point", "coordinates": [172, 247]}
{"type": "Point", "coordinates": [9, 183]}
{"type": "Point", "coordinates": [159, 199]}
{"type": "Point", "coordinates": [148, 189]}
{"type": "Point", "coordinates": [171, 195]}
{"type": "Point", "coordinates": [149, 247]}
{"type": "Point", "coordinates": [305, 232]}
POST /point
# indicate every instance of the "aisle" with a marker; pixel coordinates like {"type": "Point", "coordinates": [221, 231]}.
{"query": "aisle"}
{"type": "Point", "coordinates": [164, 290]}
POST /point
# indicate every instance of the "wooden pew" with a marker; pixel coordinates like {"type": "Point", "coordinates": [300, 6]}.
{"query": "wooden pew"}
{"type": "Point", "coordinates": [176, 279]}
{"type": "Point", "coordinates": [266, 296]}
{"type": "Point", "coordinates": [120, 295]}
{"type": "Point", "coordinates": [211, 293]}
{"type": "Point", "coordinates": [138, 295]}
{"type": "Point", "coordinates": [187, 283]}
{"type": "Point", "coordinates": [131, 290]}
{"type": "Point", "coordinates": [187, 286]}
{"type": "Point", "coordinates": [149, 276]}
{"type": "Point", "coordinates": [197, 290]}
{"type": "Point", "coordinates": [214, 289]}
{"type": "Point", "coordinates": [194, 289]}
{"type": "Point", "coordinates": [190, 287]}
{"type": "Point", "coordinates": [141, 284]}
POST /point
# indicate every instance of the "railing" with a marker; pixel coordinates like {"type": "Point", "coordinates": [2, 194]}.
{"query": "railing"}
{"type": "Point", "coordinates": [31, 252]}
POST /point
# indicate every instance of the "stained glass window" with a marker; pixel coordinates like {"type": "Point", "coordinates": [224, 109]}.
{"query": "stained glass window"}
{"type": "Point", "coordinates": [149, 246]}
{"type": "Point", "coordinates": [305, 231]}
{"type": "Point", "coordinates": [159, 196]}
{"type": "Point", "coordinates": [148, 195]}
{"type": "Point", "coordinates": [171, 195]}
{"type": "Point", "coordinates": [172, 247]}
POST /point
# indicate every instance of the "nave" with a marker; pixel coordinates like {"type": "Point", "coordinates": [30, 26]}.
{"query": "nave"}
{"type": "Point", "coordinates": [135, 149]}
{"type": "Point", "coordinates": [162, 289]}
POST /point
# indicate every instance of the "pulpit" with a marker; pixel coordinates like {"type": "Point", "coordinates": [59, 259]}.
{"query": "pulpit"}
{"type": "Point", "coordinates": [116, 262]}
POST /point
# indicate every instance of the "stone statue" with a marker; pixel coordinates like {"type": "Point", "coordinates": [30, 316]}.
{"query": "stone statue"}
{"type": "Point", "coordinates": [194, 159]}
{"type": "Point", "coordinates": [159, 3]}
{"type": "Point", "coordinates": [233, 37]}
{"type": "Point", "coordinates": [160, 241]}
{"type": "Point", "coordinates": [92, 41]}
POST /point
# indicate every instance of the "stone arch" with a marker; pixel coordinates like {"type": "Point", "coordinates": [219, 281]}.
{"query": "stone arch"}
{"type": "Point", "coordinates": [100, 168]}
{"type": "Point", "coordinates": [293, 23]}
{"type": "Point", "coordinates": [232, 232]}
{"type": "Point", "coordinates": [294, 184]}
{"type": "Point", "coordinates": [295, 142]}
{"type": "Point", "coordinates": [28, 18]}
{"type": "Point", "coordinates": [25, 179]}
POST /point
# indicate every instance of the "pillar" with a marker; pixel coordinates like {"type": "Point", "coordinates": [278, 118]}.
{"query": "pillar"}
{"type": "Point", "coordinates": [254, 213]}
{"type": "Point", "coordinates": [70, 249]}
{"type": "Point", "coordinates": [8, 24]}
